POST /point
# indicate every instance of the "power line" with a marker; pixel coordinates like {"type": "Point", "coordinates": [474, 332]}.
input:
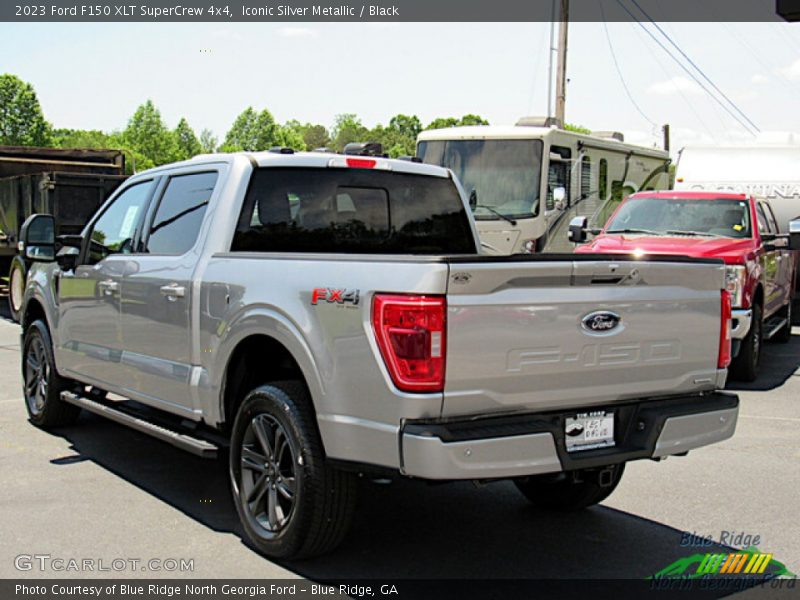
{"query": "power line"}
{"type": "Point", "coordinates": [698, 69]}
{"type": "Point", "coordinates": [687, 71]}
{"type": "Point", "coordinates": [619, 71]}
{"type": "Point", "coordinates": [691, 105]}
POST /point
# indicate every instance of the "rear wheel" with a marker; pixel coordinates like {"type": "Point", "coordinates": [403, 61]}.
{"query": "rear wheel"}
{"type": "Point", "coordinates": [573, 490]}
{"type": "Point", "coordinates": [16, 287]}
{"type": "Point", "coordinates": [42, 386]}
{"type": "Point", "coordinates": [745, 366]}
{"type": "Point", "coordinates": [291, 502]}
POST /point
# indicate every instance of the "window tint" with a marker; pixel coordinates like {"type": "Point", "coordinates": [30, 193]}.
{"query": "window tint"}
{"type": "Point", "coordinates": [115, 230]}
{"type": "Point", "coordinates": [352, 210]}
{"type": "Point", "coordinates": [180, 213]}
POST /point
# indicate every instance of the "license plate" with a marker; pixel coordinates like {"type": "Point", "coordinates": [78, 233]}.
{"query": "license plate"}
{"type": "Point", "coordinates": [586, 431]}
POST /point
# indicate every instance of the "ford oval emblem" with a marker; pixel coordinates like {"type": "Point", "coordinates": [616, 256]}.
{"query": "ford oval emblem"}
{"type": "Point", "coordinates": [601, 321]}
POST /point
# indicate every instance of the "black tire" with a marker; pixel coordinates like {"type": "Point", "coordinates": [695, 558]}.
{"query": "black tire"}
{"type": "Point", "coordinates": [41, 384]}
{"type": "Point", "coordinates": [300, 505]}
{"type": "Point", "coordinates": [571, 491]}
{"type": "Point", "coordinates": [16, 287]}
{"type": "Point", "coordinates": [784, 335]}
{"type": "Point", "coordinates": [745, 366]}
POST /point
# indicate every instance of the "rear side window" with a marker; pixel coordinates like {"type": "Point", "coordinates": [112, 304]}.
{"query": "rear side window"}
{"type": "Point", "coordinates": [179, 216]}
{"type": "Point", "coordinates": [352, 210]}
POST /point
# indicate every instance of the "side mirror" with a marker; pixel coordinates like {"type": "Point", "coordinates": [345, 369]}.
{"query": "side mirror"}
{"type": "Point", "coordinates": [577, 230]}
{"type": "Point", "coordinates": [37, 238]}
{"type": "Point", "coordinates": [794, 234]}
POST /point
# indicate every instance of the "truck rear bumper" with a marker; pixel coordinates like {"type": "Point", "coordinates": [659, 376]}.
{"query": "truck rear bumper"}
{"type": "Point", "coordinates": [530, 444]}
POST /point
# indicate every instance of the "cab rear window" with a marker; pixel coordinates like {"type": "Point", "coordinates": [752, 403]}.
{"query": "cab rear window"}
{"type": "Point", "coordinates": [353, 211]}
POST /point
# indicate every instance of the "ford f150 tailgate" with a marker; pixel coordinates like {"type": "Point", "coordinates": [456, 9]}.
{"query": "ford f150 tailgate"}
{"type": "Point", "coordinates": [559, 332]}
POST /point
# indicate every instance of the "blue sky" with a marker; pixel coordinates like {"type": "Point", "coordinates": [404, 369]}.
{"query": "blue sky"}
{"type": "Point", "coordinates": [94, 75]}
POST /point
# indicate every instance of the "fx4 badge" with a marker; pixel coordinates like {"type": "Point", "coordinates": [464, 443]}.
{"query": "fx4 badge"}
{"type": "Point", "coordinates": [332, 296]}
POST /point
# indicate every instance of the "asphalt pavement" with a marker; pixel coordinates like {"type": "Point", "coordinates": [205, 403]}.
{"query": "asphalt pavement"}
{"type": "Point", "coordinates": [100, 491]}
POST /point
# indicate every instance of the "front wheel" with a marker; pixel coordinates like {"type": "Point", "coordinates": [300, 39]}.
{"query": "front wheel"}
{"type": "Point", "coordinates": [42, 385]}
{"type": "Point", "coordinates": [573, 490]}
{"type": "Point", "coordinates": [291, 502]}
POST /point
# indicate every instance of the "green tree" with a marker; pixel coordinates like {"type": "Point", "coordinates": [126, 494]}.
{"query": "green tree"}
{"type": "Point", "coordinates": [347, 128]}
{"type": "Point", "coordinates": [405, 126]}
{"type": "Point", "coordinates": [576, 128]}
{"type": "Point", "coordinates": [84, 138]}
{"type": "Point", "coordinates": [316, 136]}
{"type": "Point", "coordinates": [22, 122]}
{"type": "Point", "coordinates": [289, 136]}
{"type": "Point", "coordinates": [473, 120]}
{"type": "Point", "coordinates": [444, 122]}
{"type": "Point", "coordinates": [187, 143]}
{"type": "Point", "coordinates": [148, 137]}
{"type": "Point", "coordinates": [208, 141]}
{"type": "Point", "coordinates": [252, 131]}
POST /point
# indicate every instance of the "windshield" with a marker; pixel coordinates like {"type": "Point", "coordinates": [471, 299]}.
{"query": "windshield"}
{"type": "Point", "coordinates": [683, 216]}
{"type": "Point", "coordinates": [505, 174]}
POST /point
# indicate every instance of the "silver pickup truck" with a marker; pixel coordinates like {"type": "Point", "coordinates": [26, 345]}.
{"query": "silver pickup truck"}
{"type": "Point", "coordinates": [324, 315]}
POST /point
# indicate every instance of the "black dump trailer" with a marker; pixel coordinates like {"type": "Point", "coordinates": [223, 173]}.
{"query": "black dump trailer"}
{"type": "Point", "coordinates": [69, 184]}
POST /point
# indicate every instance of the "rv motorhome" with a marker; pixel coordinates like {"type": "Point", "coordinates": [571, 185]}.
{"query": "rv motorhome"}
{"type": "Point", "coordinates": [524, 181]}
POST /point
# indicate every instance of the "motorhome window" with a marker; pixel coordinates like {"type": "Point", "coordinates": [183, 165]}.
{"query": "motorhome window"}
{"type": "Point", "coordinates": [683, 216]}
{"type": "Point", "coordinates": [558, 174]}
{"type": "Point", "coordinates": [505, 174]}
{"type": "Point", "coordinates": [602, 177]}
{"type": "Point", "coordinates": [586, 176]}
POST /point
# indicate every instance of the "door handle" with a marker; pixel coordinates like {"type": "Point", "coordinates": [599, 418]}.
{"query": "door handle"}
{"type": "Point", "coordinates": [173, 291]}
{"type": "Point", "coordinates": [108, 286]}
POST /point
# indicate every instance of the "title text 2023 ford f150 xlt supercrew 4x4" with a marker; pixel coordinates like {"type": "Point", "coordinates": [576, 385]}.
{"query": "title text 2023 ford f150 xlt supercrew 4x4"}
{"type": "Point", "coordinates": [324, 315]}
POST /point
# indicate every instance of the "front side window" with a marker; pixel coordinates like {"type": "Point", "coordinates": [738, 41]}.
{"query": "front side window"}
{"type": "Point", "coordinates": [721, 217]}
{"type": "Point", "coordinates": [502, 176]}
{"type": "Point", "coordinates": [114, 232]}
{"type": "Point", "coordinates": [352, 210]}
{"type": "Point", "coordinates": [180, 213]}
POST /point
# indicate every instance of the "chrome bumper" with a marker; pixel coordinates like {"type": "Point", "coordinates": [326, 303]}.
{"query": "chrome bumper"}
{"type": "Point", "coordinates": [740, 318]}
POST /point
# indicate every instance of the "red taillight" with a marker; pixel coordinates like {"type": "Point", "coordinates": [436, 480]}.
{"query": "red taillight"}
{"type": "Point", "coordinates": [411, 335]}
{"type": "Point", "coordinates": [724, 358]}
{"type": "Point", "coordinates": [360, 163]}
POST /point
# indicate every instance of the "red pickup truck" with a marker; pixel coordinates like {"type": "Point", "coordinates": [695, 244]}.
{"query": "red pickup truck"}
{"type": "Point", "coordinates": [737, 228]}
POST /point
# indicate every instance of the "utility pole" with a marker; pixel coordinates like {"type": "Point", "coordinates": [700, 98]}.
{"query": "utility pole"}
{"type": "Point", "coordinates": [561, 75]}
{"type": "Point", "coordinates": [550, 50]}
{"type": "Point", "coordinates": [665, 130]}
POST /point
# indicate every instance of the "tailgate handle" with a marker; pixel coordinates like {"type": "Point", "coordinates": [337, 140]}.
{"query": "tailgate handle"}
{"type": "Point", "coordinates": [610, 280]}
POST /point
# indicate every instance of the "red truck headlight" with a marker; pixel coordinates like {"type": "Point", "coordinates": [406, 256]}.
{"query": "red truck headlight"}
{"type": "Point", "coordinates": [412, 336]}
{"type": "Point", "coordinates": [724, 357]}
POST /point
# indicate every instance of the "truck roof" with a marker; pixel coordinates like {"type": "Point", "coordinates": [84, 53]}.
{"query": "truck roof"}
{"type": "Point", "coordinates": [310, 159]}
